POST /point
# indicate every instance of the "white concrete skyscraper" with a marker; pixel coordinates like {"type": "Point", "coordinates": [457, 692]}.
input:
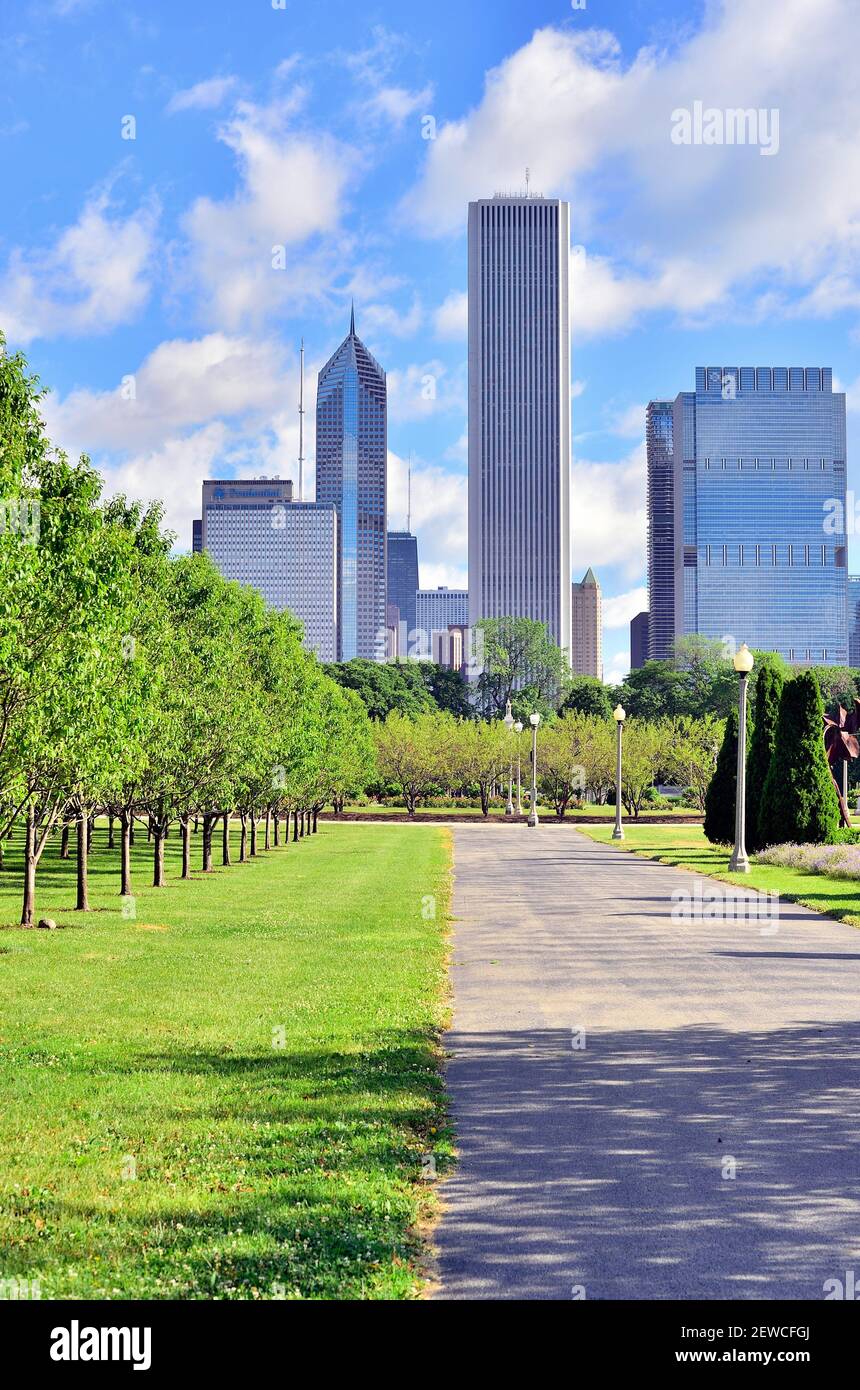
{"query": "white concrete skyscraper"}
{"type": "Point", "coordinates": [519, 411]}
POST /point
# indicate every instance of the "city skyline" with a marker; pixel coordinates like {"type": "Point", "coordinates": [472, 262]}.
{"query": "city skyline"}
{"type": "Point", "coordinates": [250, 207]}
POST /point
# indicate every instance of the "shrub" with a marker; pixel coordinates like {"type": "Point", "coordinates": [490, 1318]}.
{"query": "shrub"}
{"type": "Point", "coordinates": [768, 693]}
{"type": "Point", "coordinates": [799, 800]}
{"type": "Point", "coordinates": [722, 788]}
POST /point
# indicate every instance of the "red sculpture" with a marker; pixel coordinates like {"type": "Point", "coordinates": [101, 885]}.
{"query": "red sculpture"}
{"type": "Point", "coordinates": [840, 744]}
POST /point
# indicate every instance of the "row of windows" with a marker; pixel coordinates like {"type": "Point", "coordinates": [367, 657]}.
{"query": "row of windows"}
{"type": "Point", "coordinates": [745, 554]}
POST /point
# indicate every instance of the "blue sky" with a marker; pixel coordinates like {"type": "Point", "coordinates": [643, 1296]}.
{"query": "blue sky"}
{"type": "Point", "coordinates": [137, 273]}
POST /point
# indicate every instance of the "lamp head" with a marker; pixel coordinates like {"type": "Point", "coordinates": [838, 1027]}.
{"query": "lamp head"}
{"type": "Point", "coordinates": [743, 660]}
{"type": "Point", "coordinates": [508, 720]}
{"type": "Point", "coordinates": [518, 727]}
{"type": "Point", "coordinates": [619, 714]}
{"type": "Point", "coordinates": [534, 720]}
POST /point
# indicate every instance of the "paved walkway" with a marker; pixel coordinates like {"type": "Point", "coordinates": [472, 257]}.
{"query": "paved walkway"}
{"type": "Point", "coordinates": [601, 1168]}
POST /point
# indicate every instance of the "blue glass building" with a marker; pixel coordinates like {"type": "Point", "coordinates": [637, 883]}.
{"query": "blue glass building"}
{"type": "Point", "coordinates": [403, 577]}
{"type": "Point", "coordinates": [759, 511]}
{"type": "Point", "coordinates": [854, 620]}
{"type": "Point", "coordinates": [352, 452]}
{"type": "Point", "coordinates": [660, 627]}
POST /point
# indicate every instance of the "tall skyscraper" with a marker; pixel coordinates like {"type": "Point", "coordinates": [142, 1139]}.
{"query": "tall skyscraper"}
{"type": "Point", "coordinates": [586, 646]}
{"type": "Point", "coordinates": [352, 450]}
{"type": "Point", "coordinates": [661, 530]}
{"type": "Point", "coordinates": [759, 489]}
{"type": "Point", "coordinates": [519, 411]}
{"type": "Point", "coordinates": [257, 535]}
{"type": "Point", "coordinates": [403, 577]}
{"type": "Point", "coordinates": [638, 641]}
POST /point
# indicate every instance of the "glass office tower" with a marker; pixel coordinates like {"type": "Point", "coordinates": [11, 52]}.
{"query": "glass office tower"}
{"type": "Point", "coordinates": [403, 576]}
{"type": "Point", "coordinates": [352, 451]}
{"type": "Point", "coordinates": [661, 531]}
{"type": "Point", "coordinates": [759, 511]}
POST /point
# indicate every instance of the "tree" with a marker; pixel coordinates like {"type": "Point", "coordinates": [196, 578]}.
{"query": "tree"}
{"type": "Point", "coordinates": [768, 694]}
{"type": "Point", "coordinates": [480, 754]}
{"type": "Point", "coordinates": [413, 753]}
{"type": "Point", "coordinates": [448, 689]}
{"type": "Point", "coordinates": [799, 802]}
{"type": "Point", "coordinates": [587, 695]}
{"type": "Point", "coordinates": [562, 754]}
{"type": "Point", "coordinates": [645, 748]}
{"type": "Point", "coordinates": [385, 686]}
{"type": "Point", "coordinates": [693, 746]}
{"type": "Point", "coordinates": [519, 662]}
{"type": "Point", "coordinates": [721, 795]}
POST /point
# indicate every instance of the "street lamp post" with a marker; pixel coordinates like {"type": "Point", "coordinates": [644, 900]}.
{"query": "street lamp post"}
{"type": "Point", "coordinates": [619, 715]}
{"type": "Point", "coordinates": [743, 664]}
{"type": "Point", "coordinates": [518, 728]}
{"type": "Point", "coordinates": [508, 722]}
{"type": "Point", "coordinates": [534, 720]}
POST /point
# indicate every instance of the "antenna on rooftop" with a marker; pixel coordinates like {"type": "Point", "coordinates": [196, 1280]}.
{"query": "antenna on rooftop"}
{"type": "Point", "coordinates": [409, 496]}
{"type": "Point", "coordinates": [528, 178]}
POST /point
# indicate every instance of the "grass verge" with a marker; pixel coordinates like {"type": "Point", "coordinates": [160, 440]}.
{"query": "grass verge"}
{"type": "Point", "coordinates": [230, 1094]}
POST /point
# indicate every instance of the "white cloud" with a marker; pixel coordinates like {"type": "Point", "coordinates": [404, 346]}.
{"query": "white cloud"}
{"type": "Point", "coordinates": [621, 608]}
{"type": "Point", "coordinates": [608, 514]}
{"type": "Point", "coordinates": [451, 319]}
{"type": "Point", "coordinates": [387, 319]}
{"type": "Point", "coordinates": [203, 96]}
{"type": "Point", "coordinates": [291, 189]}
{"type": "Point", "coordinates": [439, 518]}
{"type": "Point", "coordinates": [698, 224]}
{"type": "Point", "coordinates": [95, 277]}
{"type": "Point", "coordinates": [396, 104]}
{"type": "Point", "coordinates": [421, 390]}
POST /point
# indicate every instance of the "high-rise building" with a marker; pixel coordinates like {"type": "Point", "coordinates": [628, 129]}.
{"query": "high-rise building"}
{"type": "Point", "coordinates": [639, 641]}
{"type": "Point", "coordinates": [257, 535]}
{"type": "Point", "coordinates": [586, 647]}
{"type": "Point", "coordinates": [519, 411]}
{"type": "Point", "coordinates": [437, 610]}
{"type": "Point", "coordinates": [854, 620]}
{"type": "Point", "coordinates": [661, 530]}
{"type": "Point", "coordinates": [403, 578]}
{"type": "Point", "coordinates": [196, 536]}
{"type": "Point", "coordinates": [759, 490]}
{"type": "Point", "coordinates": [352, 450]}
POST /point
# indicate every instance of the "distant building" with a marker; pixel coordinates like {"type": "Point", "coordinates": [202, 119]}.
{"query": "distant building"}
{"type": "Point", "coordinates": [437, 610]}
{"type": "Point", "coordinates": [661, 529]}
{"type": "Point", "coordinates": [449, 648]}
{"type": "Point", "coordinates": [519, 411]}
{"type": "Point", "coordinates": [285, 550]}
{"type": "Point", "coordinates": [586, 646]}
{"type": "Point", "coordinates": [854, 620]}
{"type": "Point", "coordinates": [351, 467]}
{"type": "Point", "coordinates": [403, 578]}
{"type": "Point", "coordinates": [639, 641]}
{"type": "Point", "coordinates": [196, 537]}
{"type": "Point", "coordinates": [759, 497]}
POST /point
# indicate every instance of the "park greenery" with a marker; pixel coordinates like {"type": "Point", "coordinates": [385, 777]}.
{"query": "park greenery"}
{"type": "Point", "coordinates": [142, 686]}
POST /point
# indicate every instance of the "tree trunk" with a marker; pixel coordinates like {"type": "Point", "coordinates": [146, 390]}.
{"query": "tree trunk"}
{"type": "Point", "coordinates": [91, 825]}
{"type": "Point", "coordinates": [243, 840]}
{"type": "Point", "coordinates": [267, 842]}
{"type": "Point", "coordinates": [131, 830]}
{"type": "Point", "coordinates": [308, 821]}
{"type": "Point", "coordinates": [157, 855]}
{"type": "Point", "coordinates": [111, 844]}
{"type": "Point", "coordinates": [316, 812]}
{"type": "Point", "coordinates": [125, 853]}
{"type": "Point", "coordinates": [277, 830]}
{"type": "Point", "coordinates": [295, 826]}
{"type": "Point", "coordinates": [186, 847]}
{"type": "Point", "coordinates": [64, 843]}
{"type": "Point", "coordinates": [207, 843]}
{"type": "Point", "coordinates": [83, 838]}
{"type": "Point", "coordinates": [253, 834]}
{"type": "Point", "coordinates": [28, 908]}
{"type": "Point", "coordinates": [225, 840]}
{"type": "Point", "coordinates": [149, 830]}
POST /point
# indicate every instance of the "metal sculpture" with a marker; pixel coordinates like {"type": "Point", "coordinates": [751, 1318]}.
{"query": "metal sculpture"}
{"type": "Point", "coordinates": [840, 744]}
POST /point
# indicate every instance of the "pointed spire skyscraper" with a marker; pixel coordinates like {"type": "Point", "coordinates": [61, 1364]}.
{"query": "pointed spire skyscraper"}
{"type": "Point", "coordinates": [352, 453]}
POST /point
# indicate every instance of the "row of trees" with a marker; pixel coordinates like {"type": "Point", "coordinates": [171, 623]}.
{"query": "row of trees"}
{"type": "Point", "coordinates": [436, 753]}
{"type": "Point", "coordinates": [140, 685]}
{"type": "Point", "coordinates": [790, 794]}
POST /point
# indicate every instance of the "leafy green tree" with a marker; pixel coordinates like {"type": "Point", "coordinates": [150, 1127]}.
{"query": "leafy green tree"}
{"type": "Point", "coordinates": [799, 802]}
{"type": "Point", "coordinates": [480, 754]}
{"type": "Point", "coordinates": [521, 663]}
{"type": "Point", "coordinates": [562, 753]}
{"type": "Point", "coordinates": [385, 686]}
{"type": "Point", "coordinates": [768, 694]}
{"type": "Point", "coordinates": [691, 754]}
{"type": "Point", "coordinates": [644, 751]}
{"type": "Point", "coordinates": [414, 754]}
{"type": "Point", "coordinates": [449, 690]}
{"type": "Point", "coordinates": [721, 795]}
{"type": "Point", "coordinates": [587, 695]}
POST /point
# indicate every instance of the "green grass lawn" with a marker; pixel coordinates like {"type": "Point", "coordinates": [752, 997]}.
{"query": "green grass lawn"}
{"type": "Point", "coordinates": [686, 846]}
{"type": "Point", "coordinates": [230, 1095]}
